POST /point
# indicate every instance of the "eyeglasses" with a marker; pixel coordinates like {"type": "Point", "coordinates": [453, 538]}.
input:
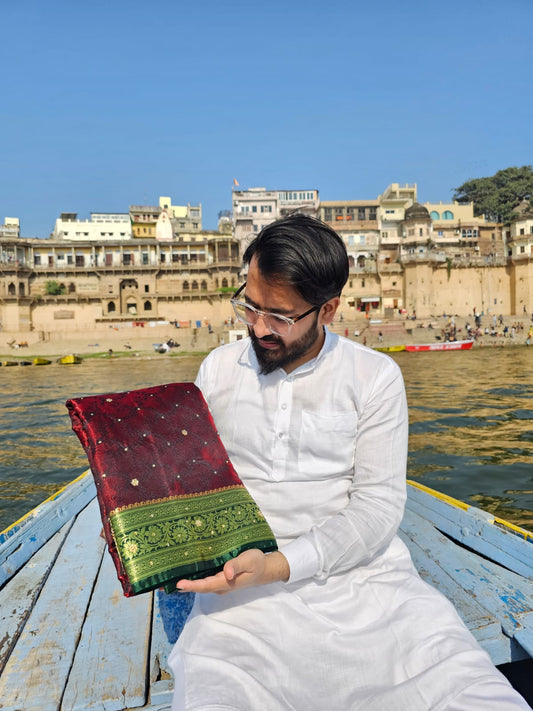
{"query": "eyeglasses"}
{"type": "Point", "coordinates": [276, 323]}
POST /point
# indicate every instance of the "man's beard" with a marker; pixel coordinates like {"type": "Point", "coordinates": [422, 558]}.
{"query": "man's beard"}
{"type": "Point", "coordinates": [269, 360]}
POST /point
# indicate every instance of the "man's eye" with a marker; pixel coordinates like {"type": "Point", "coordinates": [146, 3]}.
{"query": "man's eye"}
{"type": "Point", "coordinates": [279, 319]}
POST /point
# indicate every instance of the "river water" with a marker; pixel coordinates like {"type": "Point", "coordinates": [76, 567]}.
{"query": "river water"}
{"type": "Point", "coordinates": [471, 417]}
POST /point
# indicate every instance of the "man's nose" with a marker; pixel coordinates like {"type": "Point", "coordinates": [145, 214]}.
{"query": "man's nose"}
{"type": "Point", "coordinates": [260, 328]}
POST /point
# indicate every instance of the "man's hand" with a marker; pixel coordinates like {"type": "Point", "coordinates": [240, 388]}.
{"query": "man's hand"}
{"type": "Point", "coordinates": [250, 568]}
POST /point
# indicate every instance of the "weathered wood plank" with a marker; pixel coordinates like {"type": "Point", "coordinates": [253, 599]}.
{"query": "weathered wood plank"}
{"type": "Point", "coordinates": [18, 596]}
{"type": "Point", "coordinates": [19, 542]}
{"type": "Point", "coordinates": [483, 625]}
{"type": "Point", "coordinates": [506, 595]}
{"type": "Point", "coordinates": [35, 675]}
{"type": "Point", "coordinates": [110, 667]}
{"type": "Point", "coordinates": [476, 529]}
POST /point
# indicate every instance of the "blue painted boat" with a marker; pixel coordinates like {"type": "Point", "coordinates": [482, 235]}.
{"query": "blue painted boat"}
{"type": "Point", "coordinates": [70, 640]}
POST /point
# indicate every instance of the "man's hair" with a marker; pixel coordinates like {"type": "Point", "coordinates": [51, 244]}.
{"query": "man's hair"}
{"type": "Point", "coordinates": [303, 252]}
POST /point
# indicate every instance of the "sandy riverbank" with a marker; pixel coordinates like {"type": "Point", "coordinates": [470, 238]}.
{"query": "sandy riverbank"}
{"type": "Point", "coordinates": [140, 342]}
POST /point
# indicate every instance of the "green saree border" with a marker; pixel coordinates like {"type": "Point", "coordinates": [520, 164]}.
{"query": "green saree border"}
{"type": "Point", "coordinates": [188, 536]}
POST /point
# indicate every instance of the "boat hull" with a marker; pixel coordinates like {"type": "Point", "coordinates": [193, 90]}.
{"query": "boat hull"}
{"type": "Point", "coordinates": [70, 360]}
{"type": "Point", "coordinates": [446, 346]}
{"type": "Point", "coordinates": [390, 349]}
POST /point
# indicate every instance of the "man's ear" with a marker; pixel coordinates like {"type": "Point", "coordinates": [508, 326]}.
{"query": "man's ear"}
{"type": "Point", "coordinates": [329, 309]}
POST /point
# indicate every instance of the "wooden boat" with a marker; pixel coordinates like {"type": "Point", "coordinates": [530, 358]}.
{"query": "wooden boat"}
{"type": "Point", "coordinates": [70, 359]}
{"type": "Point", "coordinates": [70, 640]}
{"type": "Point", "coordinates": [445, 346]}
{"type": "Point", "coordinates": [25, 362]}
{"type": "Point", "coordinates": [389, 349]}
{"type": "Point", "coordinates": [7, 363]}
{"type": "Point", "coordinates": [41, 361]}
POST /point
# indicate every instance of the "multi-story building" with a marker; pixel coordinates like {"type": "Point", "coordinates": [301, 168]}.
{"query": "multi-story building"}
{"type": "Point", "coordinates": [49, 284]}
{"type": "Point", "coordinates": [10, 228]}
{"type": "Point", "coordinates": [255, 208]}
{"type": "Point", "coordinates": [356, 221]}
{"type": "Point", "coordinates": [100, 227]}
{"type": "Point", "coordinates": [164, 221]}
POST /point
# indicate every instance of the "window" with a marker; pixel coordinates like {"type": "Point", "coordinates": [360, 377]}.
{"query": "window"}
{"type": "Point", "coordinates": [421, 232]}
{"type": "Point", "coordinates": [146, 288]}
{"type": "Point", "coordinates": [111, 308]}
{"type": "Point", "coordinates": [434, 215]}
{"type": "Point", "coordinates": [254, 208]}
{"type": "Point", "coordinates": [447, 215]}
{"type": "Point", "coordinates": [440, 233]}
{"type": "Point", "coordinates": [37, 259]}
{"type": "Point", "coordinates": [363, 283]}
{"type": "Point", "coordinates": [361, 213]}
{"type": "Point", "coordinates": [147, 306]}
{"type": "Point", "coordinates": [185, 286]}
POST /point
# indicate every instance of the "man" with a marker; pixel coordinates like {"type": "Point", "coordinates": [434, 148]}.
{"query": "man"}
{"type": "Point", "coordinates": [316, 426]}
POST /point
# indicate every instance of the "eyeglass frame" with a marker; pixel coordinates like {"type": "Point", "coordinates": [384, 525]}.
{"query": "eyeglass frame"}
{"type": "Point", "coordinates": [290, 320]}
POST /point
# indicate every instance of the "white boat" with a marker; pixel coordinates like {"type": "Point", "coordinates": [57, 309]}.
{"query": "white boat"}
{"type": "Point", "coordinates": [69, 639]}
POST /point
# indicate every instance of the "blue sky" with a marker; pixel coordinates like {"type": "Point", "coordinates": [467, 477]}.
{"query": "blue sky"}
{"type": "Point", "coordinates": [108, 104]}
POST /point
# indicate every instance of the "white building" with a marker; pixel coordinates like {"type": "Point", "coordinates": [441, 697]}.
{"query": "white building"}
{"type": "Point", "coordinates": [101, 227]}
{"type": "Point", "coordinates": [255, 208]}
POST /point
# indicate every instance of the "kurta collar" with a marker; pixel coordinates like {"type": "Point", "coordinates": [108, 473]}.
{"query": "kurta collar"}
{"type": "Point", "coordinates": [249, 359]}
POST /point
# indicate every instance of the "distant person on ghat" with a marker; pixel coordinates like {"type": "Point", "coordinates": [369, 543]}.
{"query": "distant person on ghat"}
{"type": "Point", "coordinates": [316, 426]}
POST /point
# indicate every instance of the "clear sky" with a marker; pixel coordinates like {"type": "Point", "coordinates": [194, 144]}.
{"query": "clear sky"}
{"type": "Point", "coordinates": [105, 104]}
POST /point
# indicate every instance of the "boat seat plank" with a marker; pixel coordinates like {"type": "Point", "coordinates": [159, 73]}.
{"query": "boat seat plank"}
{"type": "Point", "coordinates": [23, 539]}
{"type": "Point", "coordinates": [18, 596]}
{"type": "Point", "coordinates": [503, 593]}
{"type": "Point", "coordinates": [36, 672]}
{"type": "Point", "coordinates": [109, 670]}
{"type": "Point", "coordinates": [476, 529]}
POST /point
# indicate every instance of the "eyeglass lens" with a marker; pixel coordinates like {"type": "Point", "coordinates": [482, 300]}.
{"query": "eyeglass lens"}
{"type": "Point", "coordinates": [248, 315]}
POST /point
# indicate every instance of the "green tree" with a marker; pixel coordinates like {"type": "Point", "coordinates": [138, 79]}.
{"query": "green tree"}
{"type": "Point", "coordinates": [498, 196]}
{"type": "Point", "coordinates": [53, 288]}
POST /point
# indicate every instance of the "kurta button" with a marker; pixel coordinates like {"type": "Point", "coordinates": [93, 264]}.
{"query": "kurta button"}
{"type": "Point", "coordinates": [280, 435]}
{"type": "Point", "coordinates": [284, 406]}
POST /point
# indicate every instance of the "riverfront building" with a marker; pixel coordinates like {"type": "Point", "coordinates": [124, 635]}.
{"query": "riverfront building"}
{"type": "Point", "coordinates": [156, 264]}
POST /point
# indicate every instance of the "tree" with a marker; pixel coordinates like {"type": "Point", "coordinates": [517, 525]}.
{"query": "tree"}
{"type": "Point", "coordinates": [53, 288]}
{"type": "Point", "coordinates": [497, 197]}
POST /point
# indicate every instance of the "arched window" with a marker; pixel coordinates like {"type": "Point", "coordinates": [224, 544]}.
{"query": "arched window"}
{"type": "Point", "coordinates": [71, 288]}
{"type": "Point", "coordinates": [203, 286]}
{"type": "Point", "coordinates": [22, 290]}
{"type": "Point", "coordinates": [224, 283]}
{"type": "Point", "coordinates": [12, 290]}
{"type": "Point", "coordinates": [217, 283]}
{"type": "Point", "coordinates": [147, 305]}
{"type": "Point", "coordinates": [434, 215]}
{"type": "Point", "coordinates": [194, 286]}
{"type": "Point", "coordinates": [447, 215]}
{"type": "Point", "coordinates": [185, 286]}
{"type": "Point", "coordinates": [111, 308]}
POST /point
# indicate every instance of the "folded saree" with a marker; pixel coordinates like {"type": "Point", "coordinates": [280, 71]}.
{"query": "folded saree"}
{"type": "Point", "coordinates": [171, 502]}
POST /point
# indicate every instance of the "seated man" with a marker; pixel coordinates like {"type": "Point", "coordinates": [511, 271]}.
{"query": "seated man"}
{"type": "Point", "coordinates": [316, 426]}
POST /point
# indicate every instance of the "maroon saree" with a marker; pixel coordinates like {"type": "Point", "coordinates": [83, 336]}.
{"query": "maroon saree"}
{"type": "Point", "coordinates": [171, 502]}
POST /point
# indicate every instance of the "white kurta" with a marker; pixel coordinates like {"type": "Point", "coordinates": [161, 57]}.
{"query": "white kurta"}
{"type": "Point", "coordinates": [323, 452]}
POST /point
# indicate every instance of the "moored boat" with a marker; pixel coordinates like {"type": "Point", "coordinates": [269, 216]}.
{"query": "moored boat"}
{"type": "Point", "coordinates": [110, 651]}
{"type": "Point", "coordinates": [389, 349]}
{"type": "Point", "coordinates": [7, 363]}
{"type": "Point", "coordinates": [445, 346]}
{"type": "Point", "coordinates": [70, 359]}
{"type": "Point", "coordinates": [41, 361]}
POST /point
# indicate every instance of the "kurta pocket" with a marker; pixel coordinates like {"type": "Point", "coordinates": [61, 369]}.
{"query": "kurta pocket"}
{"type": "Point", "coordinates": [327, 443]}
